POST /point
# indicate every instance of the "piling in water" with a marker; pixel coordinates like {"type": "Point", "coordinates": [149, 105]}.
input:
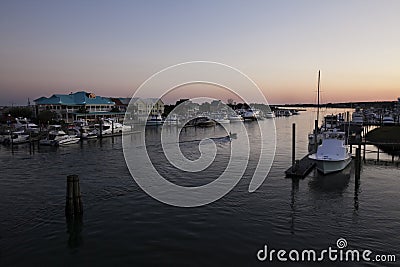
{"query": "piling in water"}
{"type": "Point", "coordinates": [358, 163]}
{"type": "Point", "coordinates": [73, 206]}
{"type": "Point", "coordinates": [69, 204]}
{"type": "Point", "coordinates": [293, 144]}
{"type": "Point", "coordinates": [78, 207]}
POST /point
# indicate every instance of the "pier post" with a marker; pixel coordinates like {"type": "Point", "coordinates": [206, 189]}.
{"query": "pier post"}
{"type": "Point", "coordinates": [365, 147]}
{"type": "Point", "coordinates": [377, 157]}
{"type": "Point", "coordinates": [30, 143]}
{"type": "Point", "coordinates": [358, 163]}
{"type": "Point", "coordinates": [393, 154]}
{"type": "Point", "coordinates": [101, 128]}
{"type": "Point", "coordinates": [78, 207]}
{"type": "Point", "coordinates": [112, 127]}
{"type": "Point", "coordinates": [73, 205]}
{"type": "Point", "coordinates": [293, 144]}
{"type": "Point", "coordinates": [69, 205]}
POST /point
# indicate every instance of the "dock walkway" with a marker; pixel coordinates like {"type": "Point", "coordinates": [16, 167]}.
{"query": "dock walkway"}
{"type": "Point", "coordinates": [301, 168]}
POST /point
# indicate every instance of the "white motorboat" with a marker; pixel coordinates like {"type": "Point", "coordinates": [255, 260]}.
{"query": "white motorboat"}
{"type": "Point", "coordinates": [16, 138]}
{"type": "Point", "coordinates": [57, 136]}
{"type": "Point", "coordinates": [269, 115]}
{"type": "Point", "coordinates": [332, 155]}
{"type": "Point", "coordinates": [287, 113]}
{"type": "Point", "coordinates": [235, 118]}
{"type": "Point", "coordinates": [330, 122]}
{"type": "Point", "coordinates": [82, 129]}
{"type": "Point", "coordinates": [357, 118]}
{"type": "Point", "coordinates": [251, 115]}
{"type": "Point", "coordinates": [172, 120]}
{"type": "Point", "coordinates": [221, 119]}
{"type": "Point", "coordinates": [388, 120]}
{"type": "Point", "coordinates": [68, 140]}
{"type": "Point", "coordinates": [154, 120]}
{"type": "Point", "coordinates": [109, 126]}
{"type": "Point", "coordinates": [24, 124]}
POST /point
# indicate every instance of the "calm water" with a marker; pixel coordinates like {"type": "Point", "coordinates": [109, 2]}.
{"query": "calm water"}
{"type": "Point", "coordinates": [123, 225]}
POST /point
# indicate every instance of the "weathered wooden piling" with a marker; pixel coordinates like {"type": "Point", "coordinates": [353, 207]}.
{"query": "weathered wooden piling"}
{"type": "Point", "coordinates": [101, 128]}
{"type": "Point", "coordinates": [78, 207]}
{"type": "Point", "coordinates": [377, 155]}
{"type": "Point", "coordinates": [358, 163]}
{"type": "Point", "coordinates": [293, 144]}
{"type": "Point", "coordinates": [73, 205]}
{"type": "Point", "coordinates": [69, 204]}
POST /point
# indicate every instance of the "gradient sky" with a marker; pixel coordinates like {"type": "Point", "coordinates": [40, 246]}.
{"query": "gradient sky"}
{"type": "Point", "coordinates": [111, 47]}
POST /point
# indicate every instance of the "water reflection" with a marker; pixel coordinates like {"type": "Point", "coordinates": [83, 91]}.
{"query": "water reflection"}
{"type": "Point", "coordinates": [334, 182]}
{"type": "Point", "coordinates": [74, 230]}
{"type": "Point", "coordinates": [293, 192]}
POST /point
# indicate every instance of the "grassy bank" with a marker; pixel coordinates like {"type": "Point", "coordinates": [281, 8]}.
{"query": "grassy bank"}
{"type": "Point", "coordinates": [385, 134]}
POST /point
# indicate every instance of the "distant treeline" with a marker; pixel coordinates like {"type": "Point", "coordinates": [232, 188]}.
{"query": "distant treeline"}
{"type": "Point", "coordinates": [375, 104]}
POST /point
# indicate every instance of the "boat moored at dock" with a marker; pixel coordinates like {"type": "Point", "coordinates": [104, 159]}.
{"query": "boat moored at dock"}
{"type": "Point", "coordinates": [332, 155]}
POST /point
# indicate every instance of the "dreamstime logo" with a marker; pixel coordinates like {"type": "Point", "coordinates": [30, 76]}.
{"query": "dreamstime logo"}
{"type": "Point", "coordinates": [329, 254]}
{"type": "Point", "coordinates": [160, 187]}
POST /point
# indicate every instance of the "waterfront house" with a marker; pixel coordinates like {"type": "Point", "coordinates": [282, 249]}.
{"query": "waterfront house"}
{"type": "Point", "coordinates": [79, 105]}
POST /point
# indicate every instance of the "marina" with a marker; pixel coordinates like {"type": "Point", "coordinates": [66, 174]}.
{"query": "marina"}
{"type": "Point", "coordinates": [199, 133]}
{"type": "Point", "coordinates": [108, 192]}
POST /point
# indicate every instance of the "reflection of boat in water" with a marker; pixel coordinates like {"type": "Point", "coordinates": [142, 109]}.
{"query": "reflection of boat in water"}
{"type": "Point", "coordinates": [270, 115]}
{"type": "Point", "coordinates": [204, 122]}
{"type": "Point", "coordinates": [172, 119]}
{"type": "Point", "coordinates": [337, 181]}
{"type": "Point", "coordinates": [235, 118]}
{"type": "Point", "coordinates": [332, 155]}
{"type": "Point", "coordinates": [154, 120]}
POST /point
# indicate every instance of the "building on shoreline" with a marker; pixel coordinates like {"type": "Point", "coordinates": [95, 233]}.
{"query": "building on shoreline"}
{"type": "Point", "coordinates": [88, 106]}
{"type": "Point", "coordinates": [75, 106]}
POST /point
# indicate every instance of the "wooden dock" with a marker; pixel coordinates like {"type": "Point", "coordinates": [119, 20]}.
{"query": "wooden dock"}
{"type": "Point", "coordinates": [301, 168]}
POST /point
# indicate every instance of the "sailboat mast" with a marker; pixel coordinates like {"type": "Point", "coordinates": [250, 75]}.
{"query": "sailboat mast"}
{"type": "Point", "coordinates": [319, 78]}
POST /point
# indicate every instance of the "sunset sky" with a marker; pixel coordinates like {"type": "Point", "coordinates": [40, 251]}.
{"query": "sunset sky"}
{"type": "Point", "coordinates": [111, 47]}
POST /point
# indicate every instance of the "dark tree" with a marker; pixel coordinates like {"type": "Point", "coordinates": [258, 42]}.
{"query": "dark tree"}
{"type": "Point", "coordinates": [24, 112]}
{"type": "Point", "coordinates": [46, 116]}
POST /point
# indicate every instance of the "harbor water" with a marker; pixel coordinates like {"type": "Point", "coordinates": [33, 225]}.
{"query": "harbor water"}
{"type": "Point", "coordinates": [122, 225]}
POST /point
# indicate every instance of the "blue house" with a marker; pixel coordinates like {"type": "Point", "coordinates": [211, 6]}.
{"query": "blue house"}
{"type": "Point", "coordinates": [77, 105]}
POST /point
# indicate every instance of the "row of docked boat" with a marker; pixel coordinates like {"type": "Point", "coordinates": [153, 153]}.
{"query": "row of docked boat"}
{"type": "Point", "coordinates": [217, 118]}
{"type": "Point", "coordinates": [55, 134]}
{"type": "Point", "coordinates": [374, 117]}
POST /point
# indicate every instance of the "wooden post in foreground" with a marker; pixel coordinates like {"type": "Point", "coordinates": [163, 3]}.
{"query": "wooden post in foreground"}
{"type": "Point", "coordinates": [69, 204]}
{"type": "Point", "coordinates": [73, 205]}
{"type": "Point", "coordinates": [78, 207]}
{"type": "Point", "coordinates": [293, 144]}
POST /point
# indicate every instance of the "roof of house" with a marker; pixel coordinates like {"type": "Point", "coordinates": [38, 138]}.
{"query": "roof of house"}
{"type": "Point", "coordinates": [78, 98]}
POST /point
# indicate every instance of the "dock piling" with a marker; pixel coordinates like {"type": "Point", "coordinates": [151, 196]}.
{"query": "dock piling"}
{"type": "Point", "coordinates": [78, 207]}
{"type": "Point", "coordinates": [73, 205]}
{"type": "Point", "coordinates": [69, 205]}
{"type": "Point", "coordinates": [293, 144]}
{"type": "Point", "coordinates": [358, 163]}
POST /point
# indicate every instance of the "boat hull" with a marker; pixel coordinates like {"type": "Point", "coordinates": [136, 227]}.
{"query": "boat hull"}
{"type": "Point", "coordinates": [330, 166]}
{"type": "Point", "coordinates": [68, 141]}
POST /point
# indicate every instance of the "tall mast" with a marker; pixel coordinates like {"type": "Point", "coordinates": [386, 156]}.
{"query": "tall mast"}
{"type": "Point", "coordinates": [319, 77]}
